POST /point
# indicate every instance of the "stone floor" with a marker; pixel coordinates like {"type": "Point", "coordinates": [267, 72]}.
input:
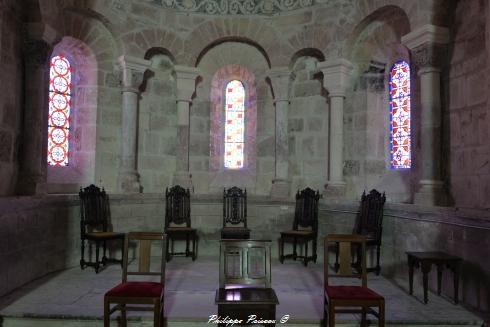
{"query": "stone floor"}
{"type": "Point", "coordinates": [77, 295]}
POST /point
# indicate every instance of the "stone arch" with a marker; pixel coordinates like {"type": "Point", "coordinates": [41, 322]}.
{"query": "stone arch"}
{"type": "Point", "coordinates": [312, 39]}
{"type": "Point", "coordinates": [137, 43]}
{"type": "Point", "coordinates": [392, 16]}
{"type": "Point", "coordinates": [255, 31]}
{"type": "Point", "coordinates": [83, 115]}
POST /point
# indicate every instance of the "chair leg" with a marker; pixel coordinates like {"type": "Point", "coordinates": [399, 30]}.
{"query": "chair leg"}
{"type": "Point", "coordinates": [378, 267]}
{"type": "Point", "coordinates": [97, 257]}
{"type": "Point", "coordinates": [187, 244]}
{"type": "Point", "coordinates": [305, 261]}
{"type": "Point", "coordinates": [104, 258]}
{"type": "Point", "coordinates": [336, 266]}
{"type": "Point", "coordinates": [194, 247]}
{"type": "Point", "coordinates": [122, 252]}
{"type": "Point", "coordinates": [124, 319]}
{"type": "Point", "coordinates": [107, 321]}
{"type": "Point", "coordinates": [331, 315]}
{"type": "Point", "coordinates": [325, 312]}
{"type": "Point", "coordinates": [156, 314]}
{"type": "Point", "coordinates": [363, 317]}
{"type": "Point", "coordinates": [82, 248]}
{"type": "Point", "coordinates": [381, 314]}
{"type": "Point", "coordinates": [314, 250]}
{"type": "Point", "coordinates": [295, 254]}
{"type": "Point", "coordinates": [168, 256]}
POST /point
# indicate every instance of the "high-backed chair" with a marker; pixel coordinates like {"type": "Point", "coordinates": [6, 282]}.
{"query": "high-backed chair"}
{"type": "Point", "coordinates": [352, 299]}
{"type": "Point", "coordinates": [94, 225]}
{"type": "Point", "coordinates": [305, 226]}
{"type": "Point", "coordinates": [235, 214]}
{"type": "Point", "coordinates": [369, 223]}
{"type": "Point", "coordinates": [178, 221]}
{"type": "Point", "coordinates": [146, 295]}
{"type": "Point", "coordinates": [245, 280]}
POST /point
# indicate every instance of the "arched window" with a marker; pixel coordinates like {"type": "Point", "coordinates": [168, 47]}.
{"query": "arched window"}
{"type": "Point", "coordinates": [400, 133]}
{"type": "Point", "coordinates": [235, 125]}
{"type": "Point", "coordinates": [59, 110]}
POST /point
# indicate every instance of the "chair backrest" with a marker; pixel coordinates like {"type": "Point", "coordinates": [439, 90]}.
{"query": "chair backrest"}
{"type": "Point", "coordinates": [143, 244]}
{"type": "Point", "coordinates": [245, 263]}
{"type": "Point", "coordinates": [234, 206]}
{"type": "Point", "coordinates": [346, 268]}
{"type": "Point", "coordinates": [178, 206]}
{"type": "Point", "coordinates": [94, 209]}
{"type": "Point", "coordinates": [370, 219]}
{"type": "Point", "coordinates": [306, 211]}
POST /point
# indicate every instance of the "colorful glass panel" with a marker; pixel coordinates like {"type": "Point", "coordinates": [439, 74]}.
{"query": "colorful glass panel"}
{"type": "Point", "coordinates": [400, 134]}
{"type": "Point", "coordinates": [59, 110]}
{"type": "Point", "coordinates": [234, 124]}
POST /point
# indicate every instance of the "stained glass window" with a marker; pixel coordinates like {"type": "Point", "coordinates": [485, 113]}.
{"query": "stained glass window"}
{"type": "Point", "coordinates": [400, 143]}
{"type": "Point", "coordinates": [235, 124]}
{"type": "Point", "coordinates": [59, 110]}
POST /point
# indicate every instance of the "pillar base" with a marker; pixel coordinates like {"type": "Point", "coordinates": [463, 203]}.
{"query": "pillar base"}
{"type": "Point", "coordinates": [431, 193]}
{"type": "Point", "coordinates": [280, 189]}
{"type": "Point", "coordinates": [334, 189]}
{"type": "Point", "coordinates": [183, 178]}
{"type": "Point", "coordinates": [129, 182]}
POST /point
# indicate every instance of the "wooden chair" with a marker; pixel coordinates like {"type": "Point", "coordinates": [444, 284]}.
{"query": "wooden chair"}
{"type": "Point", "coordinates": [94, 225]}
{"type": "Point", "coordinates": [352, 299]}
{"type": "Point", "coordinates": [235, 214]}
{"type": "Point", "coordinates": [369, 223]}
{"type": "Point", "coordinates": [147, 295]}
{"type": "Point", "coordinates": [245, 280]}
{"type": "Point", "coordinates": [178, 221]}
{"type": "Point", "coordinates": [305, 226]}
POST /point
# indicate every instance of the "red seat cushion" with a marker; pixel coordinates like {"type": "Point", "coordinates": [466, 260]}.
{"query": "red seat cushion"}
{"type": "Point", "coordinates": [351, 293]}
{"type": "Point", "coordinates": [136, 289]}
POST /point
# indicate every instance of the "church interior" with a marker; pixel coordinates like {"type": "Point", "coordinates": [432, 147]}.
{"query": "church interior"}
{"type": "Point", "coordinates": [313, 127]}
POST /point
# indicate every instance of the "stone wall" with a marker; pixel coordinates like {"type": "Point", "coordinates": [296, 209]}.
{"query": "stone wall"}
{"type": "Point", "coordinates": [11, 47]}
{"type": "Point", "coordinates": [467, 118]}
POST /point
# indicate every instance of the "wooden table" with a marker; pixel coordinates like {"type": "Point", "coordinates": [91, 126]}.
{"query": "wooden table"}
{"type": "Point", "coordinates": [242, 303]}
{"type": "Point", "coordinates": [424, 260]}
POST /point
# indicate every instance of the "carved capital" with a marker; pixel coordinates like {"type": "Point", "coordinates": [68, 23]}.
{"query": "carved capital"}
{"type": "Point", "coordinates": [36, 52]}
{"type": "Point", "coordinates": [186, 82]}
{"type": "Point", "coordinates": [280, 79]}
{"type": "Point", "coordinates": [131, 72]}
{"type": "Point", "coordinates": [429, 55]}
{"type": "Point", "coordinates": [336, 74]}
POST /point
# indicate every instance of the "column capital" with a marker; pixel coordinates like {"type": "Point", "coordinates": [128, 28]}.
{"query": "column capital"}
{"type": "Point", "coordinates": [186, 82]}
{"type": "Point", "coordinates": [336, 73]}
{"type": "Point", "coordinates": [280, 78]}
{"type": "Point", "coordinates": [428, 45]}
{"type": "Point", "coordinates": [132, 70]}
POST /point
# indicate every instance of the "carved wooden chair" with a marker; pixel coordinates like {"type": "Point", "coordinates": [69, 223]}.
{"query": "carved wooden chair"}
{"type": "Point", "coordinates": [351, 299]}
{"type": "Point", "coordinates": [178, 221]}
{"type": "Point", "coordinates": [245, 280]}
{"type": "Point", "coordinates": [369, 222]}
{"type": "Point", "coordinates": [305, 226]}
{"type": "Point", "coordinates": [235, 214]}
{"type": "Point", "coordinates": [94, 225]}
{"type": "Point", "coordinates": [145, 295]}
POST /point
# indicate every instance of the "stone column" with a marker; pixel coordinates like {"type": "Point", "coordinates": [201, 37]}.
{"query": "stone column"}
{"type": "Point", "coordinates": [427, 45]}
{"type": "Point", "coordinates": [336, 75]}
{"type": "Point", "coordinates": [186, 85]}
{"type": "Point", "coordinates": [131, 78]}
{"type": "Point", "coordinates": [280, 78]}
{"type": "Point", "coordinates": [33, 163]}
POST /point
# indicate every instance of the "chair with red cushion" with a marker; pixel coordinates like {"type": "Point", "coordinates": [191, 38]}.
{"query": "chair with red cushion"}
{"type": "Point", "coordinates": [147, 295]}
{"type": "Point", "coordinates": [351, 298]}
